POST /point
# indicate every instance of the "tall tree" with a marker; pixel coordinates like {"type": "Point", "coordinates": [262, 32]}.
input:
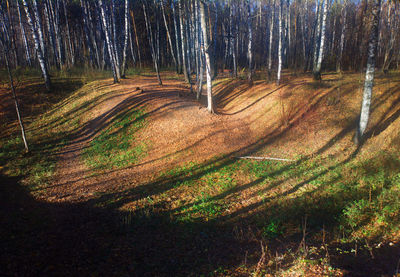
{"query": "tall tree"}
{"type": "Point", "coordinates": [250, 43]}
{"type": "Point", "coordinates": [151, 42]}
{"type": "Point", "coordinates": [317, 68]}
{"type": "Point", "coordinates": [6, 47]}
{"type": "Point", "coordinates": [109, 43]}
{"type": "Point", "coordinates": [126, 35]}
{"type": "Point", "coordinates": [35, 25]}
{"type": "Point", "coordinates": [370, 72]}
{"type": "Point", "coordinates": [278, 78]}
{"type": "Point", "coordinates": [210, 106]}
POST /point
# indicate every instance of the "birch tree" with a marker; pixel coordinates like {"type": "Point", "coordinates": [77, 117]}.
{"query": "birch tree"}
{"type": "Point", "coordinates": [370, 72]}
{"type": "Point", "coordinates": [317, 68]}
{"type": "Point", "coordinates": [151, 42]}
{"type": "Point", "coordinates": [210, 106]}
{"type": "Point", "coordinates": [249, 46]}
{"type": "Point", "coordinates": [278, 78]}
{"type": "Point", "coordinates": [126, 34]}
{"type": "Point", "coordinates": [111, 52]}
{"type": "Point", "coordinates": [38, 47]}
{"type": "Point", "coordinates": [6, 47]}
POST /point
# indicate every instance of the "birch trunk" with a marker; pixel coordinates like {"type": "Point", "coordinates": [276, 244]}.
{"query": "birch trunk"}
{"type": "Point", "coordinates": [210, 106]}
{"type": "Point", "coordinates": [38, 24]}
{"type": "Point", "coordinates": [271, 33]}
{"type": "Point", "coordinates": [177, 39]}
{"type": "Point", "coordinates": [317, 69]}
{"type": "Point", "coordinates": [342, 37]}
{"type": "Point", "coordinates": [151, 42]}
{"type": "Point", "coordinates": [278, 78]}
{"type": "Point", "coordinates": [168, 35]}
{"type": "Point", "coordinates": [249, 46]}
{"type": "Point", "coordinates": [38, 48]}
{"type": "Point", "coordinates": [232, 40]}
{"type": "Point", "coordinates": [370, 72]}
{"type": "Point", "coordinates": [6, 57]}
{"type": "Point", "coordinates": [125, 39]}
{"type": "Point", "coordinates": [71, 49]}
{"type": "Point", "coordinates": [111, 52]}
{"type": "Point", "coordinates": [136, 38]}
{"type": "Point", "coordinates": [183, 40]}
{"type": "Point", "coordinates": [23, 36]}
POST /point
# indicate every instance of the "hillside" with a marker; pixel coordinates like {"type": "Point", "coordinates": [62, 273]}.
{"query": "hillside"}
{"type": "Point", "coordinates": [155, 184]}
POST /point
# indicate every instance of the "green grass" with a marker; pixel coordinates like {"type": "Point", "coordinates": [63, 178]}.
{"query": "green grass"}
{"type": "Point", "coordinates": [115, 146]}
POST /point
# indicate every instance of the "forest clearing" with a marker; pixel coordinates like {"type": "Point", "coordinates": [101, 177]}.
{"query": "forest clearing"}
{"type": "Point", "coordinates": [178, 190]}
{"type": "Point", "coordinates": [199, 138]}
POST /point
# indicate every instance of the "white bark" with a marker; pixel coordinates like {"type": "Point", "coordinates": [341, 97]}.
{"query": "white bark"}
{"type": "Point", "coordinates": [38, 48]}
{"type": "Point", "coordinates": [210, 106]}
{"type": "Point", "coordinates": [370, 72]}
{"type": "Point", "coordinates": [278, 79]}
{"type": "Point", "coordinates": [126, 34]}
{"type": "Point", "coordinates": [151, 42]}
{"type": "Point", "coordinates": [317, 70]}
{"type": "Point", "coordinates": [23, 36]}
{"type": "Point", "coordinates": [249, 46]}
{"type": "Point", "coordinates": [271, 33]}
{"type": "Point", "coordinates": [168, 34]}
{"type": "Point", "coordinates": [111, 52]}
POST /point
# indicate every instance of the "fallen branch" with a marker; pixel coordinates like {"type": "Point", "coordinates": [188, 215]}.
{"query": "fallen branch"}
{"type": "Point", "coordinates": [265, 158]}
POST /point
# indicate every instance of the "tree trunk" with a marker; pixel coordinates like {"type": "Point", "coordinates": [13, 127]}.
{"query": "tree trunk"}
{"type": "Point", "coordinates": [342, 37]}
{"type": "Point", "coordinates": [210, 106]}
{"type": "Point", "coordinates": [317, 69]}
{"type": "Point", "coordinates": [125, 39]}
{"type": "Point", "coordinates": [71, 49]}
{"type": "Point", "coordinates": [111, 52]}
{"type": "Point", "coordinates": [271, 33]}
{"type": "Point", "coordinates": [136, 38]}
{"type": "Point", "coordinates": [183, 40]}
{"type": "Point", "coordinates": [249, 46]}
{"type": "Point", "coordinates": [23, 36]}
{"type": "Point", "coordinates": [168, 35]}
{"type": "Point", "coordinates": [369, 75]}
{"type": "Point", "coordinates": [151, 42]}
{"type": "Point", "coordinates": [6, 54]}
{"type": "Point", "coordinates": [278, 78]}
{"type": "Point", "coordinates": [177, 39]}
{"type": "Point", "coordinates": [38, 48]}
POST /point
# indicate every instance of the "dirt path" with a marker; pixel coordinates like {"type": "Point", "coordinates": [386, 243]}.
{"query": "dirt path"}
{"type": "Point", "coordinates": [179, 130]}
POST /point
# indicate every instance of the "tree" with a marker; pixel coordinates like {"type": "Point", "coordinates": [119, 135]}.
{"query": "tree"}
{"type": "Point", "coordinates": [320, 48]}
{"type": "Point", "coordinates": [278, 79]}
{"type": "Point", "coordinates": [249, 46]}
{"type": "Point", "coordinates": [126, 35]}
{"type": "Point", "coordinates": [6, 47]}
{"type": "Point", "coordinates": [110, 45]}
{"type": "Point", "coordinates": [205, 47]}
{"type": "Point", "coordinates": [39, 43]}
{"type": "Point", "coordinates": [370, 72]}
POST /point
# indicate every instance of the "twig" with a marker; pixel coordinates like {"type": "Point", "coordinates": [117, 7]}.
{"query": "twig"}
{"type": "Point", "coordinates": [261, 262]}
{"type": "Point", "coordinates": [265, 158]}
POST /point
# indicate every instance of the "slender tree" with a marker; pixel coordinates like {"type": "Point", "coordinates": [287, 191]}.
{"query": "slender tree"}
{"type": "Point", "coordinates": [126, 35]}
{"type": "Point", "coordinates": [6, 47]}
{"type": "Point", "coordinates": [278, 78]}
{"type": "Point", "coordinates": [111, 51]}
{"type": "Point", "coordinates": [370, 72]}
{"type": "Point", "coordinates": [317, 68]}
{"type": "Point", "coordinates": [250, 43]}
{"type": "Point", "coordinates": [38, 47]}
{"type": "Point", "coordinates": [210, 106]}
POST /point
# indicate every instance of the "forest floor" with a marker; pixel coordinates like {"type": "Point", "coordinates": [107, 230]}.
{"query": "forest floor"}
{"type": "Point", "coordinates": [139, 179]}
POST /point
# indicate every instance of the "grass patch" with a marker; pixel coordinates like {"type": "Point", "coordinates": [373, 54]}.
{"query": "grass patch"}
{"type": "Point", "coordinates": [115, 146]}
